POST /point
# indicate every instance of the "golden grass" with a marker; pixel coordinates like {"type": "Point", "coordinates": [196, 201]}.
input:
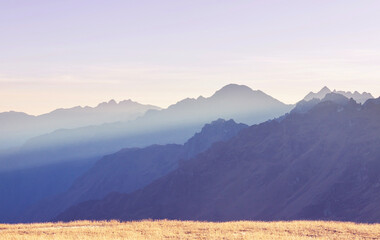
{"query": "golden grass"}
{"type": "Point", "coordinates": [165, 229]}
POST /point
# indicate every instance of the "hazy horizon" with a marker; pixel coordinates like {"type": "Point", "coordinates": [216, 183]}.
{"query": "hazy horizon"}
{"type": "Point", "coordinates": [165, 106]}
{"type": "Point", "coordinates": [65, 54]}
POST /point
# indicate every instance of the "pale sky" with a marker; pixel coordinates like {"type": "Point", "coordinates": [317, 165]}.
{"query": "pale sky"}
{"type": "Point", "coordinates": [66, 53]}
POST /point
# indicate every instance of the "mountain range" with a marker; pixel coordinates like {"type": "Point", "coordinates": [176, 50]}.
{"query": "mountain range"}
{"type": "Point", "coordinates": [320, 164]}
{"type": "Point", "coordinates": [78, 170]}
{"type": "Point", "coordinates": [132, 168]}
{"type": "Point", "coordinates": [175, 124]}
{"type": "Point", "coordinates": [17, 127]}
{"type": "Point", "coordinates": [49, 164]}
{"type": "Point", "coordinates": [358, 97]}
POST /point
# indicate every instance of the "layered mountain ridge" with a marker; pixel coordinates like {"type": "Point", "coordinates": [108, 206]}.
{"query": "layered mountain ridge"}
{"type": "Point", "coordinates": [358, 97]}
{"type": "Point", "coordinates": [66, 154]}
{"type": "Point", "coordinates": [132, 169]}
{"type": "Point", "coordinates": [17, 127]}
{"type": "Point", "coordinates": [319, 164]}
{"type": "Point", "coordinates": [175, 124]}
{"type": "Point", "coordinates": [47, 165]}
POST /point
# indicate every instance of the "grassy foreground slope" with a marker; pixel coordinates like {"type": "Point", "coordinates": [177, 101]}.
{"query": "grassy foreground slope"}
{"type": "Point", "coordinates": [165, 229]}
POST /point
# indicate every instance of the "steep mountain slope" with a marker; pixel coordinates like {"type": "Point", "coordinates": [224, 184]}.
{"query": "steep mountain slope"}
{"type": "Point", "coordinates": [132, 169]}
{"type": "Point", "coordinates": [16, 127]}
{"type": "Point", "coordinates": [322, 164]}
{"type": "Point", "coordinates": [358, 97]}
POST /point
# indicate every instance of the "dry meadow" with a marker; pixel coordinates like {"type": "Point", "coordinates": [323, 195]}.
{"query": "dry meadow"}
{"type": "Point", "coordinates": [165, 229]}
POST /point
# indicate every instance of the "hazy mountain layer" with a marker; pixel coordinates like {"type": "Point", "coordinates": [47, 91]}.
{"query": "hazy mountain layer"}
{"type": "Point", "coordinates": [132, 169]}
{"type": "Point", "coordinates": [175, 124]}
{"type": "Point", "coordinates": [16, 127]}
{"type": "Point", "coordinates": [358, 97]}
{"type": "Point", "coordinates": [322, 164]}
{"type": "Point", "coordinates": [304, 106]}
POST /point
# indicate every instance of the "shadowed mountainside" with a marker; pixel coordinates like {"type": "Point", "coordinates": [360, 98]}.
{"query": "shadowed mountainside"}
{"type": "Point", "coordinates": [132, 169]}
{"type": "Point", "coordinates": [21, 188]}
{"type": "Point", "coordinates": [325, 94]}
{"type": "Point", "coordinates": [322, 164]}
{"type": "Point", "coordinates": [304, 106]}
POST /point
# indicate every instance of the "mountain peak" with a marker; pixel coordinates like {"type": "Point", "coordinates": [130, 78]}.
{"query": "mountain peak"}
{"type": "Point", "coordinates": [218, 130]}
{"type": "Point", "coordinates": [128, 101]}
{"type": "Point", "coordinates": [233, 89]}
{"type": "Point", "coordinates": [336, 98]}
{"type": "Point", "coordinates": [358, 97]}
{"type": "Point", "coordinates": [112, 101]}
{"type": "Point", "coordinates": [324, 89]}
{"type": "Point", "coordinates": [220, 124]}
{"type": "Point", "coordinates": [319, 95]}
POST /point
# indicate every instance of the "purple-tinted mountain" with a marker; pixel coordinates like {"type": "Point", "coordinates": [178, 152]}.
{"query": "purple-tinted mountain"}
{"type": "Point", "coordinates": [175, 124]}
{"type": "Point", "coordinates": [325, 94]}
{"type": "Point", "coordinates": [321, 164]}
{"type": "Point", "coordinates": [304, 106]}
{"type": "Point", "coordinates": [132, 169]}
{"type": "Point", "coordinates": [358, 97]}
{"type": "Point", "coordinates": [17, 127]}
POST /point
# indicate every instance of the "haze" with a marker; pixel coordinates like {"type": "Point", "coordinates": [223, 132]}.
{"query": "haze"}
{"type": "Point", "coordinates": [64, 53]}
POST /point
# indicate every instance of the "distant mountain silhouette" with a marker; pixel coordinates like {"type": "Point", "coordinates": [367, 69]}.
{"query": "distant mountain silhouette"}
{"type": "Point", "coordinates": [358, 97]}
{"type": "Point", "coordinates": [321, 164]}
{"type": "Point", "coordinates": [17, 127]}
{"type": "Point", "coordinates": [175, 124]}
{"type": "Point", "coordinates": [304, 106]}
{"type": "Point", "coordinates": [132, 169]}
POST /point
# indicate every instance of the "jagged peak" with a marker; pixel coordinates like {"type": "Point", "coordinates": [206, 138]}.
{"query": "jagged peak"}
{"type": "Point", "coordinates": [357, 96]}
{"type": "Point", "coordinates": [111, 102]}
{"type": "Point", "coordinates": [217, 127]}
{"type": "Point", "coordinates": [334, 94]}
{"type": "Point", "coordinates": [325, 89]}
{"type": "Point", "coordinates": [128, 101]}
{"type": "Point", "coordinates": [219, 122]}
{"type": "Point", "coordinates": [333, 97]}
{"type": "Point", "coordinates": [319, 95]}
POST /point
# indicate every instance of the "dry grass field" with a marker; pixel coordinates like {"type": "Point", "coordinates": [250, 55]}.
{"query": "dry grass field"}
{"type": "Point", "coordinates": [165, 229]}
